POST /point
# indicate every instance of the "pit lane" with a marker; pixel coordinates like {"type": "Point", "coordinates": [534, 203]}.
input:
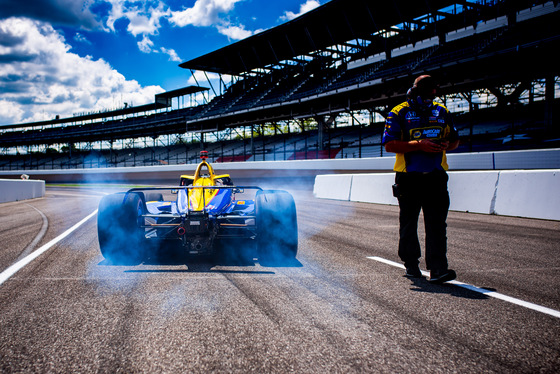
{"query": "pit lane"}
{"type": "Point", "coordinates": [334, 310]}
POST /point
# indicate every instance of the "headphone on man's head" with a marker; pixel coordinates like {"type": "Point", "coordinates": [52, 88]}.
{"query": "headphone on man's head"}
{"type": "Point", "coordinates": [422, 91]}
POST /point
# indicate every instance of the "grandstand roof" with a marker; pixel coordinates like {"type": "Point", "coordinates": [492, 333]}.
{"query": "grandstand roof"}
{"type": "Point", "coordinates": [93, 115]}
{"type": "Point", "coordinates": [181, 92]}
{"type": "Point", "coordinates": [333, 23]}
{"type": "Point", "coordinates": [165, 98]}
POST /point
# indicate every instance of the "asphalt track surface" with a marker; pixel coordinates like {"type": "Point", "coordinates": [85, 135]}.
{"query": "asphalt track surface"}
{"type": "Point", "coordinates": [335, 310]}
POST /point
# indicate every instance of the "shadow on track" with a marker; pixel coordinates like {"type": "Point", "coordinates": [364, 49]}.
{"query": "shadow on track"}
{"type": "Point", "coordinates": [422, 285]}
{"type": "Point", "coordinates": [203, 264]}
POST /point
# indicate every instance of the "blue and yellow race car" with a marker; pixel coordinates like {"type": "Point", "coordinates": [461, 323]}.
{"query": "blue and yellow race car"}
{"type": "Point", "coordinates": [203, 216]}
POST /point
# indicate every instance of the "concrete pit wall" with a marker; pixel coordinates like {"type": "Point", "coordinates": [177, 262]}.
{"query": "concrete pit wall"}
{"type": "Point", "coordinates": [16, 190]}
{"type": "Point", "coordinates": [519, 193]}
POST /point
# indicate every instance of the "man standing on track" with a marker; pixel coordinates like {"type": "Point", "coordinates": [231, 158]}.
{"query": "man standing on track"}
{"type": "Point", "coordinates": [420, 131]}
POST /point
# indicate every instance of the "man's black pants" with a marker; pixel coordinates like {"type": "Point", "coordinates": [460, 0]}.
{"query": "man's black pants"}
{"type": "Point", "coordinates": [426, 191]}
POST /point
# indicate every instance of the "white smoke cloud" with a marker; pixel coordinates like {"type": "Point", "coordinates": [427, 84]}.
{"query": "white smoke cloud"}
{"type": "Point", "coordinates": [40, 78]}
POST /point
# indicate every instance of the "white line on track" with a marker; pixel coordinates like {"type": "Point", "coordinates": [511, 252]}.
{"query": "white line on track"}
{"type": "Point", "coordinates": [6, 274]}
{"type": "Point", "coordinates": [509, 299]}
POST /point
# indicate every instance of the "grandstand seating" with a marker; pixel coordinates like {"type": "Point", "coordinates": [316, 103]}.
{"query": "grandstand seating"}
{"type": "Point", "coordinates": [496, 133]}
{"type": "Point", "coordinates": [457, 38]}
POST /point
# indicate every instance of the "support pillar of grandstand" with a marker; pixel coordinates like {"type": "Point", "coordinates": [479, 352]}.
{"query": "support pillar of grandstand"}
{"type": "Point", "coordinates": [110, 151]}
{"type": "Point", "coordinates": [549, 100]}
{"type": "Point", "coordinates": [320, 128]}
{"type": "Point", "coordinates": [210, 83]}
{"type": "Point", "coordinates": [263, 142]}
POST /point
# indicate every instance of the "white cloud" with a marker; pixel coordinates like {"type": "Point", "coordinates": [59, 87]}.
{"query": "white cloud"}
{"type": "Point", "coordinates": [203, 13]}
{"type": "Point", "coordinates": [145, 45]}
{"type": "Point", "coordinates": [173, 56]}
{"type": "Point", "coordinates": [304, 8]}
{"type": "Point", "coordinates": [81, 38]}
{"type": "Point", "coordinates": [10, 113]}
{"type": "Point", "coordinates": [40, 78]}
{"type": "Point", "coordinates": [145, 21]}
{"type": "Point", "coordinates": [144, 17]}
{"type": "Point", "coordinates": [116, 13]}
{"type": "Point", "coordinates": [234, 32]}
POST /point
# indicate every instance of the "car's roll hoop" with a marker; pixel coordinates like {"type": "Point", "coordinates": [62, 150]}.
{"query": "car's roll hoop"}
{"type": "Point", "coordinates": [200, 178]}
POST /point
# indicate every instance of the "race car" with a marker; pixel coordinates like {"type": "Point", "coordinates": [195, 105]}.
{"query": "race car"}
{"type": "Point", "coordinates": [203, 217]}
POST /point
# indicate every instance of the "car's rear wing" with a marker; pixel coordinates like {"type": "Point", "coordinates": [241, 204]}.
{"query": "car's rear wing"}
{"type": "Point", "coordinates": [174, 189]}
{"type": "Point", "coordinates": [184, 206]}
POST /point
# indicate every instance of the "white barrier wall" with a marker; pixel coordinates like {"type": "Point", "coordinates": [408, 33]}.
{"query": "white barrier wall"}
{"type": "Point", "coordinates": [520, 193]}
{"type": "Point", "coordinates": [534, 194]}
{"type": "Point", "coordinates": [473, 191]}
{"type": "Point", "coordinates": [15, 190]}
{"type": "Point", "coordinates": [373, 188]}
{"type": "Point", "coordinates": [336, 187]}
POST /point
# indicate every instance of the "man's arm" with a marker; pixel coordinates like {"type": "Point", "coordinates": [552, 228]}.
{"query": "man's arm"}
{"type": "Point", "coordinates": [453, 145]}
{"type": "Point", "coordinates": [423, 145]}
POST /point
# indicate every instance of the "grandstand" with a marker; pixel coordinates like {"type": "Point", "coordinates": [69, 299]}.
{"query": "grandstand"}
{"type": "Point", "coordinates": [319, 86]}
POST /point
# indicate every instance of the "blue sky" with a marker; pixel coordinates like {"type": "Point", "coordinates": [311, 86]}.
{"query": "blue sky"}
{"type": "Point", "coordinates": [63, 57]}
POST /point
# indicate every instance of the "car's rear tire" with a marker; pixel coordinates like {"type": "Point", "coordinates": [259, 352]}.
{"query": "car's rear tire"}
{"type": "Point", "coordinates": [277, 233]}
{"type": "Point", "coordinates": [121, 239]}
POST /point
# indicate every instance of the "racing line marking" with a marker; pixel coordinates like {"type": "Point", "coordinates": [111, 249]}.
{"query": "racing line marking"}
{"type": "Point", "coordinates": [6, 274]}
{"type": "Point", "coordinates": [509, 299]}
{"type": "Point", "coordinates": [39, 236]}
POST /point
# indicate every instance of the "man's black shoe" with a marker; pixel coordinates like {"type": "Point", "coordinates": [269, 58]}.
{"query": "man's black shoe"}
{"type": "Point", "coordinates": [413, 272]}
{"type": "Point", "coordinates": [439, 277]}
